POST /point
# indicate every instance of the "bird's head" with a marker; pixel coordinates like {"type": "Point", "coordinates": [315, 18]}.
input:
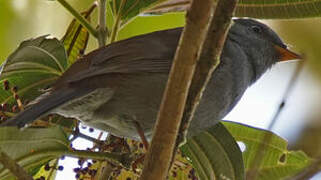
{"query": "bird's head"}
{"type": "Point", "coordinates": [261, 44]}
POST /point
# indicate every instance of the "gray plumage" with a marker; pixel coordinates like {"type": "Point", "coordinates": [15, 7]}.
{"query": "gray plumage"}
{"type": "Point", "coordinates": [124, 82]}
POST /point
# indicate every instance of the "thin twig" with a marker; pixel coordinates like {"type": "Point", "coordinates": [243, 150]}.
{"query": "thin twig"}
{"type": "Point", "coordinates": [78, 16]}
{"type": "Point", "coordinates": [287, 92]}
{"type": "Point", "coordinates": [105, 168]}
{"type": "Point", "coordinates": [257, 160]}
{"type": "Point", "coordinates": [105, 171]}
{"type": "Point", "coordinates": [117, 21]}
{"type": "Point", "coordinates": [51, 173]}
{"type": "Point", "coordinates": [170, 6]}
{"type": "Point", "coordinates": [162, 147]}
{"type": "Point", "coordinates": [76, 133]}
{"type": "Point", "coordinates": [102, 29]}
{"type": "Point", "coordinates": [13, 167]}
{"type": "Point", "coordinates": [122, 159]}
{"type": "Point", "coordinates": [94, 140]}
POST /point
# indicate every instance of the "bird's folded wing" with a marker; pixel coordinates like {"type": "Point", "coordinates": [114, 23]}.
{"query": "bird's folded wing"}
{"type": "Point", "coordinates": [149, 53]}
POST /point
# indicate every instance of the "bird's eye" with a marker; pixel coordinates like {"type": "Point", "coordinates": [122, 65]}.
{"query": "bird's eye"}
{"type": "Point", "coordinates": [256, 29]}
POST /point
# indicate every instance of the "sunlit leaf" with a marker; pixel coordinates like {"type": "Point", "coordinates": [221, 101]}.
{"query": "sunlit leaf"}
{"type": "Point", "coordinates": [263, 9]}
{"type": "Point", "coordinates": [48, 175]}
{"type": "Point", "coordinates": [125, 10]}
{"type": "Point", "coordinates": [278, 162]}
{"type": "Point", "coordinates": [215, 154]}
{"type": "Point", "coordinates": [76, 37]}
{"type": "Point", "coordinates": [31, 147]}
{"type": "Point", "coordinates": [146, 24]}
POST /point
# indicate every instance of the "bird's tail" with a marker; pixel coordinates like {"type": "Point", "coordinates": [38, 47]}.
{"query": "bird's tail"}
{"type": "Point", "coordinates": [44, 105]}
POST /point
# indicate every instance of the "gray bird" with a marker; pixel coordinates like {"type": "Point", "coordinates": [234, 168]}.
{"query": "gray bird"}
{"type": "Point", "coordinates": [115, 86]}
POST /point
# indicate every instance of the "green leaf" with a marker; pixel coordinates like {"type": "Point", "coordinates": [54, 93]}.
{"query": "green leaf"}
{"type": "Point", "coordinates": [277, 161]}
{"type": "Point", "coordinates": [125, 9]}
{"type": "Point", "coordinates": [49, 175]}
{"type": "Point", "coordinates": [262, 9]}
{"type": "Point", "coordinates": [31, 147]}
{"type": "Point", "coordinates": [36, 64]}
{"type": "Point", "coordinates": [76, 37]}
{"type": "Point", "coordinates": [215, 154]}
{"type": "Point", "coordinates": [146, 24]}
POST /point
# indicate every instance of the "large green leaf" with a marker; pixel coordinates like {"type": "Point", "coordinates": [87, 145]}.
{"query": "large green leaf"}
{"type": "Point", "coordinates": [31, 147]}
{"type": "Point", "coordinates": [262, 9]}
{"type": "Point", "coordinates": [277, 161]}
{"type": "Point", "coordinates": [34, 65]}
{"type": "Point", "coordinates": [215, 154]}
{"type": "Point", "coordinates": [146, 24]}
{"type": "Point", "coordinates": [125, 9]}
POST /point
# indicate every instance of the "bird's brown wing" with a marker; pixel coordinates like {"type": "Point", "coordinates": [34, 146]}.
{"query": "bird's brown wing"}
{"type": "Point", "coordinates": [149, 53]}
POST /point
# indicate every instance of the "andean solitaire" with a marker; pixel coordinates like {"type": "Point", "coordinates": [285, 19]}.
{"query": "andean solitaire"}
{"type": "Point", "coordinates": [114, 86]}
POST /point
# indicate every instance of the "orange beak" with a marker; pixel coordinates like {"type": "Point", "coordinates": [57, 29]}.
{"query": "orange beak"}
{"type": "Point", "coordinates": [286, 55]}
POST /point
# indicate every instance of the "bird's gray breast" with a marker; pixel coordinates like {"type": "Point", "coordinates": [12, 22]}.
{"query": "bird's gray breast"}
{"type": "Point", "coordinates": [225, 88]}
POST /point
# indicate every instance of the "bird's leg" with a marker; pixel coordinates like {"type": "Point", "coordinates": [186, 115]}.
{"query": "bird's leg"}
{"type": "Point", "coordinates": [141, 135]}
{"type": "Point", "coordinates": [145, 143]}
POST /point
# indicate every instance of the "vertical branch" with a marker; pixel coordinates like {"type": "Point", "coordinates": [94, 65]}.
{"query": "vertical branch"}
{"type": "Point", "coordinates": [208, 60]}
{"type": "Point", "coordinates": [171, 111]}
{"type": "Point", "coordinates": [102, 29]}
{"type": "Point", "coordinates": [14, 168]}
{"type": "Point", "coordinates": [159, 155]}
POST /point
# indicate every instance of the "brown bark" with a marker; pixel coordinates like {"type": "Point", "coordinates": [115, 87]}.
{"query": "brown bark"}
{"type": "Point", "coordinates": [208, 59]}
{"type": "Point", "coordinates": [163, 143]}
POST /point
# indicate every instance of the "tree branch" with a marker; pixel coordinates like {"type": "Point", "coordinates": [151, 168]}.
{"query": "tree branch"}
{"type": "Point", "coordinates": [124, 159]}
{"type": "Point", "coordinates": [208, 60]}
{"type": "Point", "coordinates": [171, 111]}
{"type": "Point", "coordinates": [14, 168]}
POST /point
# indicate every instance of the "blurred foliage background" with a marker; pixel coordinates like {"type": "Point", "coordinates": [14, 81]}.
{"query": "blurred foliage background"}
{"type": "Point", "coordinates": [300, 121]}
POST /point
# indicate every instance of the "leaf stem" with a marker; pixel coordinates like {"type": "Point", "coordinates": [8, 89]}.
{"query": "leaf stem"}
{"type": "Point", "coordinates": [122, 159]}
{"type": "Point", "coordinates": [118, 158]}
{"type": "Point", "coordinates": [77, 16]}
{"type": "Point", "coordinates": [77, 134]}
{"type": "Point", "coordinates": [51, 173]}
{"type": "Point", "coordinates": [104, 171]}
{"type": "Point", "coordinates": [114, 30]}
{"type": "Point", "coordinates": [13, 167]}
{"type": "Point", "coordinates": [102, 30]}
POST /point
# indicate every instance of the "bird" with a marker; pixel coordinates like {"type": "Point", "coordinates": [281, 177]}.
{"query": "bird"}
{"type": "Point", "coordinates": [121, 84]}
